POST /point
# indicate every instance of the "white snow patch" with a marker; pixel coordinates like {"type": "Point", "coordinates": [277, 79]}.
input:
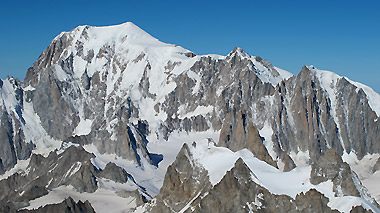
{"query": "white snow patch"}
{"type": "Point", "coordinates": [300, 158]}
{"type": "Point", "coordinates": [189, 203]}
{"type": "Point", "coordinates": [172, 146]}
{"type": "Point", "coordinates": [83, 128]}
{"type": "Point", "coordinates": [218, 160]}
{"type": "Point", "coordinates": [266, 74]}
{"type": "Point", "coordinates": [285, 75]}
{"type": "Point", "coordinates": [197, 80]}
{"type": "Point", "coordinates": [20, 167]}
{"type": "Point", "coordinates": [29, 88]}
{"type": "Point", "coordinates": [73, 169]}
{"type": "Point", "coordinates": [59, 73]}
{"type": "Point", "coordinates": [147, 175]}
{"type": "Point", "coordinates": [200, 110]}
{"type": "Point", "coordinates": [267, 133]}
{"type": "Point", "coordinates": [7, 95]}
{"type": "Point", "coordinates": [66, 145]}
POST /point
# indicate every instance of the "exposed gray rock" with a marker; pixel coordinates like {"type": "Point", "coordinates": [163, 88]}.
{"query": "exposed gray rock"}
{"type": "Point", "coordinates": [72, 167]}
{"type": "Point", "coordinates": [359, 124]}
{"type": "Point", "coordinates": [236, 94]}
{"type": "Point", "coordinates": [7, 149]}
{"type": "Point", "coordinates": [57, 114]}
{"type": "Point", "coordinates": [238, 133]}
{"type": "Point", "coordinates": [140, 199]}
{"type": "Point", "coordinates": [360, 209]}
{"type": "Point", "coordinates": [85, 179]}
{"type": "Point", "coordinates": [13, 146]}
{"type": "Point", "coordinates": [287, 161]}
{"type": "Point", "coordinates": [184, 180]}
{"type": "Point", "coordinates": [113, 172]}
{"type": "Point", "coordinates": [312, 201]}
{"type": "Point", "coordinates": [303, 120]}
{"type": "Point", "coordinates": [331, 167]}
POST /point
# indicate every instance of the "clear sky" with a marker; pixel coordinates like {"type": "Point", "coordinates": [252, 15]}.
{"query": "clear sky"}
{"type": "Point", "coordinates": [340, 36]}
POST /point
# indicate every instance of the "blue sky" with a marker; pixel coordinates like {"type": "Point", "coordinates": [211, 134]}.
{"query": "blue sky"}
{"type": "Point", "coordinates": [341, 36]}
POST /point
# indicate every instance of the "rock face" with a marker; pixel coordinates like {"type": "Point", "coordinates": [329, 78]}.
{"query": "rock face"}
{"type": "Point", "coordinates": [184, 180]}
{"type": "Point", "coordinates": [113, 172]}
{"type": "Point", "coordinates": [331, 167]}
{"type": "Point", "coordinates": [238, 133]}
{"type": "Point", "coordinates": [72, 167]}
{"type": "Point", "coordinates": [359, 124]}
{"type": "Point", "coordinates": [376, 167]}
{"type": "Point", "coordinates": [303, 120]}
{"type": "Point", "coordinates": [13, 144]}
{"type": "Point", "coordinates": [359, 209]}
{"type": "Point", "coordinates": [345, 181]}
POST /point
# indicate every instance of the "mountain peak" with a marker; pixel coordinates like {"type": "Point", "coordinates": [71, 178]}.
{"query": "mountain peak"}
{"type": "Point", "coordinates": [238, 51]}
{"type": "Point", "coordinates": [125, 32]}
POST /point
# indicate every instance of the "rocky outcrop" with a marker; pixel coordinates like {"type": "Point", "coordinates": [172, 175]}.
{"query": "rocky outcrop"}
{"type": "Point", "coordinates": [303, 119]}
{"type": "Point", "coordinates": [72, 167]}
{"type": "Point", "coordinates": [184, 180]}
{"type": "Point", "coordinates": [312, 201]}
{"type": "Point", "coordinates": [52, 101]}
{"type": "Point", "coordinates": [220, 80]}
{"type": "Point", "coordinates": [360, 209]}
{"type": "Point", "coordinates": [359, 125]}
{"type": "Point", "coordinates": [288, 163]}
{"type": "Point", "coordinates": [376, 167]}
{"type": "Point", "coordinates": [238, 133]}
{"type": "Point", "coordinates": [13, 145]}
{"type": "Point", "coordinates": [140, 199]}
{"type": "Point", "coordinates": [113, 172]}
{"type": "Point", "coordinates": [331, 167]}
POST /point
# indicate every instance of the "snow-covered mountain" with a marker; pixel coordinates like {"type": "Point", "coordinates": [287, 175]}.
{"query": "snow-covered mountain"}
{"type": "Point", "coordinates": [120, 119]}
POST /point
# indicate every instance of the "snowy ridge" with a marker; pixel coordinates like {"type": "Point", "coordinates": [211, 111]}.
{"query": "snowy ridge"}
{"type": "Point", "coordinates": [263, 69]}
{"type": "Point", "coordinates": [329, 80]}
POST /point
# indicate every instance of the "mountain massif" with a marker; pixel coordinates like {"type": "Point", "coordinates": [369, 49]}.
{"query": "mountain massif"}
{"type": "Point", "coordinates": [112, 119]}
